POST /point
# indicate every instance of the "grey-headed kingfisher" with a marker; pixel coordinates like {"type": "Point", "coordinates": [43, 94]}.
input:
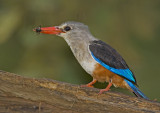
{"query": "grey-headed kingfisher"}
{"type": "Point", "coordinates": [96, 57]}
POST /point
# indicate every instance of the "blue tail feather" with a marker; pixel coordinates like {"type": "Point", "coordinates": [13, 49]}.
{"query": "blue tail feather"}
{"type": "Point", "coordinates": [136, 91]}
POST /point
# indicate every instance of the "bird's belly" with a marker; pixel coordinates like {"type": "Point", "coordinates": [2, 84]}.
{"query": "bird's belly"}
{"type": "Point", "coordinates": [84, 58]}
{"type": "Point", "coordinates": [88, 66]}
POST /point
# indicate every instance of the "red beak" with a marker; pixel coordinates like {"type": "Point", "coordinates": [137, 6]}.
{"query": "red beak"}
{"type": "Point", "coordinates": [48, 30]}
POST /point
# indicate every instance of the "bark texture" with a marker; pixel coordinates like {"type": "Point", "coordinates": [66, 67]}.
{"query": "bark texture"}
{"type": "Point", "coordinates": [19, 94]}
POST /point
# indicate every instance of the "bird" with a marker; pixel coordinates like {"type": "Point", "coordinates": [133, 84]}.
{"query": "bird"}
{"type": "Point", "coordinates": [96, 57]}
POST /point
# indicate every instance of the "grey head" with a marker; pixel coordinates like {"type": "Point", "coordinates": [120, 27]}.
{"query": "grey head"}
{"type": "Point", "coordinates": [75, 32]}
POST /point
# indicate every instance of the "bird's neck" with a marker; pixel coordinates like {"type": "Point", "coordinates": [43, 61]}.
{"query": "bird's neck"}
{"type": "Point", "coordinates": [79, 47]}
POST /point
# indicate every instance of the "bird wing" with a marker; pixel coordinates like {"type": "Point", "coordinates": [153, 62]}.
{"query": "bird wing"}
{"type": "Point", "coordinates": [110, 59]}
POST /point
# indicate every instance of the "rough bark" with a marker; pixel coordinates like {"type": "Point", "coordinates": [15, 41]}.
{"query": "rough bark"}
{"type": "Point", "coordinates": [19, 94]}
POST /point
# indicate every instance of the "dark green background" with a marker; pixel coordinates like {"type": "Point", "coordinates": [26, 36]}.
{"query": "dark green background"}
{"type": "Point", "coordinates": [132, 27]}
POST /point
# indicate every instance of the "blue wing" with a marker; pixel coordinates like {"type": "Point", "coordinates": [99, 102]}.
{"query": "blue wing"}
{"type": "Point", "coordinates": [111, 60]}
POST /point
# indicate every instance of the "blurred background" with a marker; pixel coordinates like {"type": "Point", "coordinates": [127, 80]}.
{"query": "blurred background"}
{"type": "Point", "coordinates": [131, 27]}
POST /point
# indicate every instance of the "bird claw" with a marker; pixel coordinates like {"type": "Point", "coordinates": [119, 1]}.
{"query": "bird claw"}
{"type": "Point", "coordinates": [86, 86]}
{"type": "Point", "coordinates": [103, 90]}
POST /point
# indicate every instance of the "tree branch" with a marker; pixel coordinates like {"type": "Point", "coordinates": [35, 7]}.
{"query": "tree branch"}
{"type": "Point", "coordinates": [28, 95]}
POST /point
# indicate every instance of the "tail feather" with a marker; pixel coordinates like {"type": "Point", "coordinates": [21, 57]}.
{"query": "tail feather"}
{"type": "Point", "coordinates": [136, 91]}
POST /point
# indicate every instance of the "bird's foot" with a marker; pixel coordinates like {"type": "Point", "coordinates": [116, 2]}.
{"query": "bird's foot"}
{"type": "Point", "coordinates": [103, 90]}
{"type": "Point", "coordinates": [86, 85]}
{"type": "Point", "coordinates": [90, 84]}
{"type": "Point", "coordinates": [106, 89]}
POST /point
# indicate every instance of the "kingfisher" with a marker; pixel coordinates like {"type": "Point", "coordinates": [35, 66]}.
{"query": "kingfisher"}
{"type": "Point", "coordinates": [96, 57]}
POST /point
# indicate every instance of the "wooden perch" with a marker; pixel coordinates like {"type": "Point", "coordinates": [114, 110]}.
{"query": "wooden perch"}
{"type": "Point", "coordinates": [20, 94]}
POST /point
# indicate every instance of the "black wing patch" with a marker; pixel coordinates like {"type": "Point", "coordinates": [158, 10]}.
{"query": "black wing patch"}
{"type": "Point", "coordinates": [107, 54]}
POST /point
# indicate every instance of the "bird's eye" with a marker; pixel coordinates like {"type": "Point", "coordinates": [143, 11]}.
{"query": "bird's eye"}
{"type": "Point", "coordinates": [67, 28]}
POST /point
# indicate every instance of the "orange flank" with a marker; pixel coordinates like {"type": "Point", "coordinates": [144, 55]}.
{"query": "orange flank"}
{"type": "Point", "coordinates": [102, 74]}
